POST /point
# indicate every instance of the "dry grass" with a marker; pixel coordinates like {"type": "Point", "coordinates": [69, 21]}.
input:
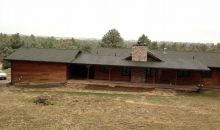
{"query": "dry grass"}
{"type": "Point", "coordinates": [84, 110]}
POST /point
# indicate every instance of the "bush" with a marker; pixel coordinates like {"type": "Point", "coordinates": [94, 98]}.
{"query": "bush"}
{"type": "Point", "coordinates": [6, 65]}
{"type": "Point", "coordinates": [43, 100]}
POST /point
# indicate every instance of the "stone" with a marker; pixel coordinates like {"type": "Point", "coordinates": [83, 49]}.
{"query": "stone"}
{"type": "Point", "coordinates": [139, 53]}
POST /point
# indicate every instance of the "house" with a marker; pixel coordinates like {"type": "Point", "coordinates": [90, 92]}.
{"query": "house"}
{"type": "Point", "coordinates": [138, 64]}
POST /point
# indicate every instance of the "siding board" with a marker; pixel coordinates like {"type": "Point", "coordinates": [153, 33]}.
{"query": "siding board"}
{"type": "Point", "coordinates": [24, 71]}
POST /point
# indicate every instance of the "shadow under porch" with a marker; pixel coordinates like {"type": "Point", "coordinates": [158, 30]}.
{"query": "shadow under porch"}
{"type": "Point", "coordinates": [134, 74]}
{"type": "Point", "coordinates": [80, 71]}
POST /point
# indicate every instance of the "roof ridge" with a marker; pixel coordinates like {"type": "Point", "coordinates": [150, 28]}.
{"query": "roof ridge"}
{"type": "Point", "coordinates": [47, 48]}
{"type": "Point", "coordinates": [184, 51]}
{"type": "Point", "coordinates": [111, 48]}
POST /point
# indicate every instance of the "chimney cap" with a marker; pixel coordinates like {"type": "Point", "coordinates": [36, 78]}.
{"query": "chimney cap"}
{"type": "Point", "coordinates": [139, 43]}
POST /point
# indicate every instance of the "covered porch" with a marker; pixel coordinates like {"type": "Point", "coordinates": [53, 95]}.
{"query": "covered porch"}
{"type": "Point", "coordinates": [131, 75]}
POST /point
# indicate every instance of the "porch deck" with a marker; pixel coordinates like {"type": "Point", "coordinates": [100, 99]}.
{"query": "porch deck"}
{"type": "Point", "coordinates": [147, 86]}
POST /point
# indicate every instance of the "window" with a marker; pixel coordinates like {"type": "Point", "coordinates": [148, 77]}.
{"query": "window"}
{"type": "Point", "coordinates": [206, 74]}
{"type": "Point", "coordinates": [148, 72]}
{"type": "Point", "coordinates": [125, 71]}
{"type": "Point", "coordinates": [184, 74]}
{"type": "Point", "coordinates": [104, 69]}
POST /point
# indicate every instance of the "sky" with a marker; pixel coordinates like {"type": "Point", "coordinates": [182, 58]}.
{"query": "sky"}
{"type": "Point", "coordinates": [160, 20]}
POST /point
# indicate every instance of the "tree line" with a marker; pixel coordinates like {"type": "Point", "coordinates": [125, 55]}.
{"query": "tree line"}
{"type": "Point", "coordinates": [112, 39]}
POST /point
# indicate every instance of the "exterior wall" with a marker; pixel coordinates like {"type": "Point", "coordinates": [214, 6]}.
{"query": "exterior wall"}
{"type": "Point", "coordinates": [100, 75]}
{"type": "Point", "coordinates": [168, 76]}
{"type": "Point", "coordinates": [139, 53]}
{"type": "Point", "coordinates": [161, 76]}
{"type": "Point", "coordinates": [213, 81]}
{"type": "Point", "coordinates": [40, 72]}
{"type": "Point", "coordinates": [194, 79]}
{"type": "Point", "coordinates": [151, 79]}
{"type": "Point", "coordinates": [165, 76]}
{"type": "Point", "coordinates": [138, 75]}
{"type": "Point", "coordinates": [114, 75]}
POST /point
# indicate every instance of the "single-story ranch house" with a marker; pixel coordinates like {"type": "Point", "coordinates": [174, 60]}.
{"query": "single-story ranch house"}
{"type": "Point", "coordinates": [138, 64]}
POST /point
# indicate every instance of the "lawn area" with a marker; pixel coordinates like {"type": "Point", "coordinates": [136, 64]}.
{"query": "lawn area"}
{"type": "Point", "coordinates": [92, 110]}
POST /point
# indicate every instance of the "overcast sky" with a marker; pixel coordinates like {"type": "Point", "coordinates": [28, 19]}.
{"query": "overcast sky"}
{"type": "Point", "coordinates": [161, 20]}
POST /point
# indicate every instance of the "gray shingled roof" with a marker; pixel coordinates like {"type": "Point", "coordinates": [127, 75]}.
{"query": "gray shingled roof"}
{"type": "Point", "coordinates": [209, 59]}
{"type": "Point", "coordinates": [44, 55]}
{"type": "Point", "coordinates": [116, 57]}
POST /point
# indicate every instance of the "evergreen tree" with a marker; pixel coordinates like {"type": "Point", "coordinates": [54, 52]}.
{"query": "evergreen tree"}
{"type": "Point", "coordinates": [112, 39]}
{"type": "Point", "coordinates": [154, 46]}
{"type": "Point", "coordinates": [16, 41]}
{"type": "Point", "coordinates": [144, 39]}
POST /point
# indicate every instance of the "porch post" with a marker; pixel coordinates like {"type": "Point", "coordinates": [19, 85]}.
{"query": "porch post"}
{"type": "Point", "coordinates": [154, 76]}
{"type": "Point", "coordinates": [109, 73]}
{"type": "Point", "coordinates": [88, 69]}
{"type": "Point", "coordinates": [176, 78]}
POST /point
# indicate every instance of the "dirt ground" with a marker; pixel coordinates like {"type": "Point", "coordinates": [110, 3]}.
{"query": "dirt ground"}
{"type": "Point", "coordinates": [81, 110]}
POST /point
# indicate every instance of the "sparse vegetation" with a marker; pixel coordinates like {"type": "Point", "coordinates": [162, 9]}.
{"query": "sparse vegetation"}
{"type": "Point", "coordinates": [43, 100]}
{"type": "Point", "coordinates": [73, 109]}
{"type": "Point", "coordinates": [120, 89]}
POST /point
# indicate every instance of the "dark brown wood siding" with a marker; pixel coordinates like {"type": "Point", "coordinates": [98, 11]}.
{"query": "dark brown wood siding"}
{"type": "Point", "coordinates": [24, 71]}
{"type": "Point", "coordinates": [100, 75]}
{"type": "Point", "coordinates": [194, 79]}
{"type": "Point", "coordinates": [213, 81]}
{"type": "Point", "coordinates": [169, 76]}
{"type": "Point", "coordinates": [114, 74]}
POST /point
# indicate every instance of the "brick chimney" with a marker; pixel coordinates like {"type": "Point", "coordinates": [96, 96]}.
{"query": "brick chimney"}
{"type": "Point", "coordinates": [139, 52]}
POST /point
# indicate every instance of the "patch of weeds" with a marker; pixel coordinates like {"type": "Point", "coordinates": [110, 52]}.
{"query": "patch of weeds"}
{"type": "Point", "coordinates": [38, 86]}
{"type": "Point", "coordinates": [98, 94]}
{"type": "Point", "coordinates": [43, 100]}
{"type": "Point", "coordinates": [201, 94]}
{"type": "Point", "coordinates": [120, 89]}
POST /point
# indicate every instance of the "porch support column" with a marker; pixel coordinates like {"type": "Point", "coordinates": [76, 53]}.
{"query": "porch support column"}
{"type": "Point", "coordinates": [88, 69]}
{"type": "Point", "coordinates": [109, 73]}
{"type": "Point", "coordinates": [154, 76]}
{"type": "Point", "coordinates": [176, 77]}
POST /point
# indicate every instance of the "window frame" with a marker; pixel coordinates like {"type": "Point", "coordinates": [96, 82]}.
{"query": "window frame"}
{"type": "Point", "coordinates": [184, 74]}
{"type": "Point", "coordinates": [206, 74]}
{"type": "Point", "coordinates": [104, 69]}
{"type": "Point", "coordinates": [125, 71]}
{"type": "Point", "coordinates": [149, 72]}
